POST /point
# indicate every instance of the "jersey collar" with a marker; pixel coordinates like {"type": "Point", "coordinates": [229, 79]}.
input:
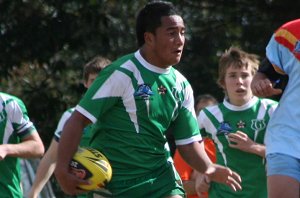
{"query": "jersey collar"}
{"type": "Point", "coordinates": [249, 104]}
{"type": "Point", "coordinates": [149, 66]}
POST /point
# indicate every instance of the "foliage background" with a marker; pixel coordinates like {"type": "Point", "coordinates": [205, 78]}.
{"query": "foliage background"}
{"type": "Point", "coordinates": [45, 43]}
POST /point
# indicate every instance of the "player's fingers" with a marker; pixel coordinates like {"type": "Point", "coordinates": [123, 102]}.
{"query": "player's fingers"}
{"type": "Point", "coordinates": [237, 137]}
{"type": "Point", "coordinates": [256, 88]}
{"type": "Point", "coordinates": [262, 88]}
{"type": "Point", "coordinates": [269, 90]}
{"type": "Point", "coordinates": [207, 179]}
{"type": "Point", "coordinates": [242, 134]}
{"type": "Point", "coordinates": [80, 191]}
{"type": "Point", "coordinates": [232, 141]}
{"type": "Point", "coordinates": [233, 183]}
{"type": "Point", "coordinates": [73, 183]}
{"type": "Point", "coordinates": [277, 91]}
{"type": "Point", "coordinates": [236, 176]}
{"type": "Point", "coordinates": [233, 136]}
{"type": "Point", "coordinates": [82, 181]}
{"type": "Point", "coordinates": [233, 145]}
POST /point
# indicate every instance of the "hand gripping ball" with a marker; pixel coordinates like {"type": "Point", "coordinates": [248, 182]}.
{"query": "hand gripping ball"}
{"type": "Point", "coordinates": [90, 164]}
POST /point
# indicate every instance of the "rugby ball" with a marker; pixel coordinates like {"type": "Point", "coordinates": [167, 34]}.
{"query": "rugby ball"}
{"type": "Point", "coordinates": [90, 164]}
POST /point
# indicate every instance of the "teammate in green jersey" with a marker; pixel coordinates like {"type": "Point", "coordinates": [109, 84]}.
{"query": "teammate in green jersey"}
{"type": "Point", "coordinates": [18, 139]}
{"type": "Point", "coordinates": [132, 103]}
{"type": "Point", "coordinates": [237, 126]}
{"type": "Point", "coordinates": [48, 162]}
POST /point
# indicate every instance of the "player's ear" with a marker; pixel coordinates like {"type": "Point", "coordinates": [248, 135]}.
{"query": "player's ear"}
{"type": "Point", "coordinates": [222, 85]}
{"type": "Point", "coordinates": [85, 84]}
{"type": "Point", "coordinates": [149, 38]}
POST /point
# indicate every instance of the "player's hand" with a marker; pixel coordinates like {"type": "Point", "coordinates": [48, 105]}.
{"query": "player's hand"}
{"type": "Point", "coordinates": [69, 182]}
{"type": "Point", "coordinates": [3, 151]}
{"type": "Point", "coordinates": [264, 88]}
{"type": "Point", "coordinates": [240, 140]}
{"type": "Point", "coordinates": [202, 183]}
{"type": "Point", "coordinates": [224, 175]}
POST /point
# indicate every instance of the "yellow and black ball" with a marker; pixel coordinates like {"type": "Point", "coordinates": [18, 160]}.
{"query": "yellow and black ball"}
{"type": "Point", "coordinates": [90, 164]}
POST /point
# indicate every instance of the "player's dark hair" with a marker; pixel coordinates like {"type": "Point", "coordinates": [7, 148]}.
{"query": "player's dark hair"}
{"type": "Point", "coordinates": [149, 18]}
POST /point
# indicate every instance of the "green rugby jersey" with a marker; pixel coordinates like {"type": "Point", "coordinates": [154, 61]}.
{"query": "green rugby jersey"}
{"type": "Point", "coordinates": [86, 135]}
{"type": "Point", "coordinates": [132, 103]}
{"type": "Point", "coordinates": [252, 118]}
{"type": "Point", "coordinates": [14, 125]}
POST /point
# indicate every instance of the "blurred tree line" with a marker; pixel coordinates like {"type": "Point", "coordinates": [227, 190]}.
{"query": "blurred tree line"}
{"type": "Point", "coordinates": [45, 43]}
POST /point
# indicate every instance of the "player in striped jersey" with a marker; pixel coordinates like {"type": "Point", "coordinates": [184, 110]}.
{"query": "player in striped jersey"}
{"type": "Point", "coordinates": [283, 132]}
{"type": "Point", "coordinates": [133, 103]}
{"type": "Point", "coordinates": [237, 126]}
{"type": "Point", "coordinates": [18, 139]}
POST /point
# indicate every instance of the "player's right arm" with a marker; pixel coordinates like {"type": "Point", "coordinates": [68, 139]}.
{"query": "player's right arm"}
{"type": "Point", "coordinates": [266, 79]}
{"type": "Point", "coordinates": [67, 147]}
{"type": "Point", "coordinates": [185, 172]}
{"type": "Point", "coordinates": [262, 86]}
{"type": "Point", "coordinates": [45, 169]}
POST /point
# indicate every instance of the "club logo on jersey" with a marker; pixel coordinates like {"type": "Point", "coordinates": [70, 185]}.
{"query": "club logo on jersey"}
{"type": "Point", "coordinates": [161, 90]}
{"type": "Point", "coordinates": [224, 129]}
{"type": "Point", "coordinates": [143, 92]}
{"type": "Point", "coordinates": [258, 125]}
{"type": "Point", "coordinates": [297, 47]}
{"type": "Point", "coordinates": [241, 124]}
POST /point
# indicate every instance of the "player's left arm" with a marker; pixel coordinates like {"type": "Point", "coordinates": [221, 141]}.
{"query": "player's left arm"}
{"type": "Point", "coordinates": [30, 144]}
{"type": "Point", "coordinates": [241, 141]}
{"type": "Point", "coordinates": [195, 155]}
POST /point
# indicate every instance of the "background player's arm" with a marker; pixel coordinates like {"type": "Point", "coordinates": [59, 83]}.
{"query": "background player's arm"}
{"type": "Point", "coordinates": [262, 86]}
{"type": "Point", "coordinates": [68, 145]}
{"type": "Point", "coordinates": [195, 155]}
{"type": "Point", "coordinates": [45, 170]}
{"type": "Point", "coordinates": [29, 147]}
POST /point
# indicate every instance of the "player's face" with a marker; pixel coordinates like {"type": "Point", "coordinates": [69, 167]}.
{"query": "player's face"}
{"type": "Point", "coordinates": [168, 41]}
{"type": "Point", "coordinates": [237, 85]}
{"type": "Point", "coordinates": [90, 80]}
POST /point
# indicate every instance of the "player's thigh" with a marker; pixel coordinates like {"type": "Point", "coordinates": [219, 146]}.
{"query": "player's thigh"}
{"type": "Point", "coordinates": [283, 173]}
{"type": "Point", "coordinates": [282, 164]}
{"type": "Point", "coordinates": [282, 186]}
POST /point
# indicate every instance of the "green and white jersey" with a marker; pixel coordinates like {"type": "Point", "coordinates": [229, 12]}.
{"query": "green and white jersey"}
{"type": "Point", "coordinates": [14, 125]}
{"type": "Point", "coordinates": [132, 104]}
{"type": "Point", "coordinates": [86, 135]}
{"type": "Point", "coordinates": [252, 118]}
